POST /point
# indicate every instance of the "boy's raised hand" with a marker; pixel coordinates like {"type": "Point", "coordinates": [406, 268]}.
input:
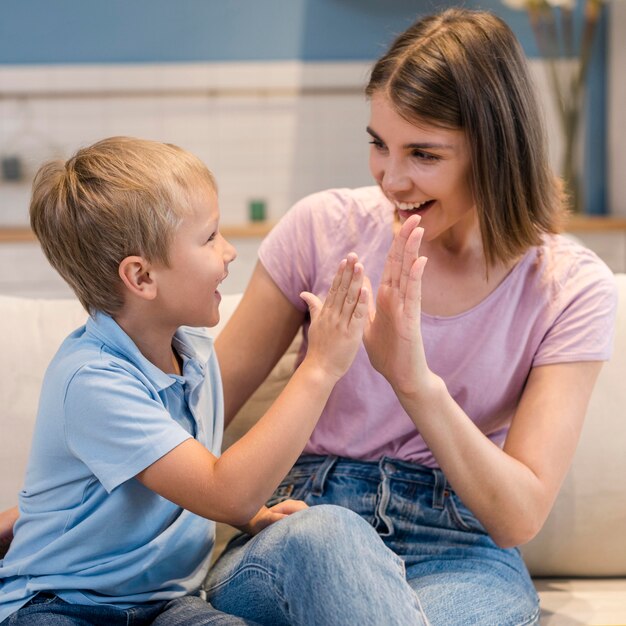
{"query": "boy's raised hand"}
{"type": "Point", "coordinates": [337, 324]}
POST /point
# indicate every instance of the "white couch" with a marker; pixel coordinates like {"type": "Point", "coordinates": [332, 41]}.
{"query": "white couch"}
{"type": "Point", "coordinates": [579, 558]}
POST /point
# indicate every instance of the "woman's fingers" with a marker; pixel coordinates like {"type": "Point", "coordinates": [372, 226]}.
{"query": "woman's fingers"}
{"type": "Point", "coordinates": [409, 256]}
{"type": "Point", "coordinates": [392, 271]}
{"type": "Point", "coordinates": [413, 295]}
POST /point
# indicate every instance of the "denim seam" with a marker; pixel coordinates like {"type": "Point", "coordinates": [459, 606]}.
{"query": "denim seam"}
{"type": "Point", "coordinates": [533, 619]}
{"type": "Point", "coordinates": [247, 568]}
{"type": "Point", "coordinates": [456, 516]}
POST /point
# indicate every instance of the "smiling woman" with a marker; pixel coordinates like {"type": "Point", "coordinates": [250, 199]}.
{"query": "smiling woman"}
{"type": "Point", "coordinates": [453, 430]}
{"type": "Point", "coordinates": [423, 170]}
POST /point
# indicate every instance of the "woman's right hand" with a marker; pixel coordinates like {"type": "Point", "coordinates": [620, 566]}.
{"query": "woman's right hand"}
{"type": "Point", "coordinates": [393, 338]}
{"type": "Point", "coordinates": [337, 324]}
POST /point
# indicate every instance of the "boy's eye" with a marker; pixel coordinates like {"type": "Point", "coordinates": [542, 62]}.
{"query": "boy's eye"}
{"type": "Point", "coordinates": [212, 237]}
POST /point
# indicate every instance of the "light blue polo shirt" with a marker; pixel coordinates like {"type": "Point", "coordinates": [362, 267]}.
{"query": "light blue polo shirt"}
{"type": "Point", "coordinates": [88, 530]}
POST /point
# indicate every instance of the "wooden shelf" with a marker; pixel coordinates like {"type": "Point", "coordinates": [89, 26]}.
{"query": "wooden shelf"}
{"type": "Point", "coordinates": [595, 223]}
{"type": "Point", "coordinates": [23, 234]}
{"type": "Point", "coordinates": [577, 223]}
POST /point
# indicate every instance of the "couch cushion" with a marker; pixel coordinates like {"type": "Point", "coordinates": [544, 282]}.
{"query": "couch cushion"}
{"type": "Point", "coordinates": [584, 534]}
{"type": "Point", "coordinates": [582, 537]}
{"type": "Point", "coordinates": [32, 332]}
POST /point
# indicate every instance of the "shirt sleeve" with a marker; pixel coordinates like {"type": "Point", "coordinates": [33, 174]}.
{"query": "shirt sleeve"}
{"type": "Point", "coordinates": [115, 424]}
{"type": "Point", "coordinates": [584, 325]}
{"type": "Point", "coordinates": [288, 253]}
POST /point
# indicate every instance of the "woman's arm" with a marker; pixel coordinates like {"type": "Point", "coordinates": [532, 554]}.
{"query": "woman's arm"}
{"type": "Point", "coordinates": [510, 490]}
{"type": "Point", "coordinates": [256, 336]}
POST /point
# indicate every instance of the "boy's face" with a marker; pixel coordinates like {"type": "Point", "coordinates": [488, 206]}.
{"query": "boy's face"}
{"type": "Point", "coordinates": [199, 258]}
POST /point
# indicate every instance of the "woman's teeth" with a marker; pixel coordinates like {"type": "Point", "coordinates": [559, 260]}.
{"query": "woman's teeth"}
{"type": "Point", "coordinates": [410, 206]}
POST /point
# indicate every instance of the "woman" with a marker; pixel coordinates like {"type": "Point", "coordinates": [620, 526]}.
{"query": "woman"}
{"type": "Point", "coordinates": [454, 428]}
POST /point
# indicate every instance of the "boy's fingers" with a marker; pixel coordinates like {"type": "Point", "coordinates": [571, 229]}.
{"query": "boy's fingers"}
{"type": "Point", "coordinates": [371, 305]}
{"type": "Point", "coordinates": [361, 308]}
{"type": "Point", "coordinates": [352, 293]}
{"type": "Point", "coordinates": [334, 288]}
{"type": "Point", "coordinates": [346, 279]}
{"type": "Point", "coordinates": [313, 302]}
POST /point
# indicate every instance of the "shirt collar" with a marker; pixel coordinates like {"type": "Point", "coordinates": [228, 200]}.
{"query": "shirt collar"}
{"type": "Point", "coordinates": [192, 343]}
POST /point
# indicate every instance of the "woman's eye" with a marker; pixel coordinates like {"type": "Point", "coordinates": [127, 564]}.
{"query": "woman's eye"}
{"type": "Point", "coordinates": [379, 145]}
{"type": "Point", "coordinates": [425, 156]}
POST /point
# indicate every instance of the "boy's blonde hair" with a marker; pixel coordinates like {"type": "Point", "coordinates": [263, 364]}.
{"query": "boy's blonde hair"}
{"type": "Point", "coordinates": [119, 197]}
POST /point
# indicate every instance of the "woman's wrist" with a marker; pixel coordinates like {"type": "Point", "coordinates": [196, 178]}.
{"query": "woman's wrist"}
{"type": "Point", "coordinates": [428, 390]}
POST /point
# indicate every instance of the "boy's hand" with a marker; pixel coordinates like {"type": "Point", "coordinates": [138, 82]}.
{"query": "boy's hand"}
{"type": "Point", "coordinates": [337, 324]}
{"type": "Point", "coordinates": [266, 516]}
{"type": "Point", "coordinates": [7, 521]}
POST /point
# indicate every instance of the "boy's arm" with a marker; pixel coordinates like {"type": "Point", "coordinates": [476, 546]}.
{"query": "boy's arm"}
{"type": "Point", "coordinates": [7, 522]}
{"type": "Point", "coordinates": [250, 345]}
{"type": "Point", "coordinates": [267, 516]}
{"type": "Point", "coordinates": [234, 487]}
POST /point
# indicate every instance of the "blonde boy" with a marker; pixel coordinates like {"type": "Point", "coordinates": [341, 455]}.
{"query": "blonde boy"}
{"type": "Point", "coordinates": [125, 478]}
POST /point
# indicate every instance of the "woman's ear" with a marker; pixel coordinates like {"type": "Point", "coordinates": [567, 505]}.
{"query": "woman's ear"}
{"type": "Point", "coordinates": [136, 275]}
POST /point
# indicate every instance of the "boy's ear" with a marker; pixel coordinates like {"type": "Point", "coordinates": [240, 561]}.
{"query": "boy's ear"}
{"type": "Point", "coordinates": [135, 273]}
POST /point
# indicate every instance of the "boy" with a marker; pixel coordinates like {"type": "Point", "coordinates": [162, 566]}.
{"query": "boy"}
{"type": "Point", "coordinates": [124, 482]}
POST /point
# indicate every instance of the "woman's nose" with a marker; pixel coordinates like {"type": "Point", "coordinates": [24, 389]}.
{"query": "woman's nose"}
{"type": "Point", "coordinates": [395, 178]}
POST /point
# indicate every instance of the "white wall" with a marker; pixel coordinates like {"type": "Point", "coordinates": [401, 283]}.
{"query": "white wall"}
{"type": "Point", "coordinates": [275, 131]}
{"type": "Point", "coordinates": [251, 123]}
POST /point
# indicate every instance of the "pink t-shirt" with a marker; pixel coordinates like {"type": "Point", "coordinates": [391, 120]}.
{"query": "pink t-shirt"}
{"type": "Point", "coordinates": [557, 305]}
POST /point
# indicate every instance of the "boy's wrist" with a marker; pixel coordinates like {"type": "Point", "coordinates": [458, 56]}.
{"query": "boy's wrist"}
{"type": "Point", "coordinates": [317, 373]}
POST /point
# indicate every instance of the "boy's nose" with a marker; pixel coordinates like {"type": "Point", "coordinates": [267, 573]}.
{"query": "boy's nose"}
{"type": "Point", "coordinates": [230, 252]}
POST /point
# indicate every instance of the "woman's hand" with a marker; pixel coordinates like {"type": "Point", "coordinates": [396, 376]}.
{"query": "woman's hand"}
{"type": "Point", "coordinates": [337, 325]}
{"type": "Point", "coordinates": [266, 516]}
{"type": "Point", "coordinates": [392, 335]}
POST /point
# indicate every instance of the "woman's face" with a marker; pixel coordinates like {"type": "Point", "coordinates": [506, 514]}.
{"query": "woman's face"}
{"type": "Point", "coordinates": [421, 169]}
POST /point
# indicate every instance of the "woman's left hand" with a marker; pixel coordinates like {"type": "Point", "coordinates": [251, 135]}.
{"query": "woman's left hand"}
{"type": "Point", "coordinates": [392, 336]}
{"type": "Point", "coordinates": [266, 516]}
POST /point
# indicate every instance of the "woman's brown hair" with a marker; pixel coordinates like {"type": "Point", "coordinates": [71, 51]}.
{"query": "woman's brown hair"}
{"type": "Point", "coordinates": [463, 69]}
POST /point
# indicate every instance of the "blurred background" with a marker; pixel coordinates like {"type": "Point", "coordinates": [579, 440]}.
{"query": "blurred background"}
{"type": "Point", "coordinates": [269, 94]}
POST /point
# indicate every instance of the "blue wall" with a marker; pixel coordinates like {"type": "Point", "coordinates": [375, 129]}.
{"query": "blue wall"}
{"type": "Point", "coordinates": [131, 31]}
{"type": "Point", "coordinates": [161, 31]}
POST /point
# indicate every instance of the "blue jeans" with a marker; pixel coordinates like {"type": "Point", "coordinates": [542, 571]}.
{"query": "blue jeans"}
{"type": "Point", "coordinates": [47, 609]}
{"type": "Point", "coordinates": [457, 575]}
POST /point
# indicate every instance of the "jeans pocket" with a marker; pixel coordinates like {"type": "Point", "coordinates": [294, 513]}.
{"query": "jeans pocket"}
{"type": "Point", "coordinates": [461, 516]}
{"type": "Point", "coordinates": [292, 487]}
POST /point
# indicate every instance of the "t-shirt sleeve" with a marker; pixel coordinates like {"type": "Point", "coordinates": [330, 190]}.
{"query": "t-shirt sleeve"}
{"type": "Point", "coordinates": [584, 327]}
{"type": "Point", "coordinates": [114, 425]}
{"type": "Point", "coordinates": [288, 252]}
